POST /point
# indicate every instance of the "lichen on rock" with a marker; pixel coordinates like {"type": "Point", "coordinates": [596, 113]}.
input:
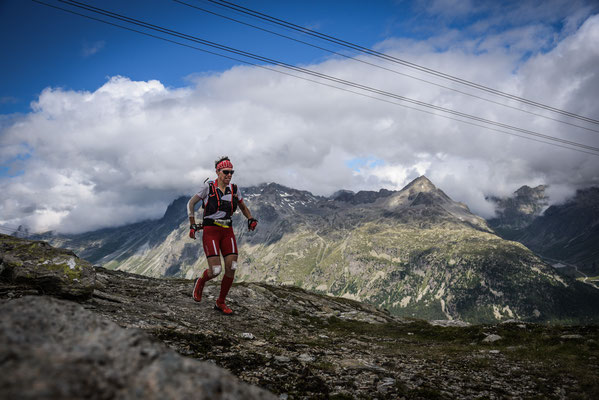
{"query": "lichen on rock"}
{"type": "Point", "coordinates": [47, 269]}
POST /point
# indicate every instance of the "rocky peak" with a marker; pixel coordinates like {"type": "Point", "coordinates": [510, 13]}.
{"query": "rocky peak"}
{"type": "Point", "coordinates": [342, 195]}
{"type": "Point", "coordinates": [520, 209]}
{"type": "Point", "coordinates": [421, 202]}
{"type": "Point", "coordinates": [420, 184]}
{"type": "Point", "coordinates": [177, 209]}
{"type": "Point", "coordinates": [526, 192]}
{"type": "Point", "coordinates": [420, 192]}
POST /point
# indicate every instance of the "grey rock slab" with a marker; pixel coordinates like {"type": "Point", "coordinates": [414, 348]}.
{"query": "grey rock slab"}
{"type": "Point", "coordinates": [447, 323]}
{"type": "Point", "coordinates": [282, 359]}
{"type": "Point", "coordinates": [576, 336]}
{"type": "Point", "coordinates": [305, 357]}
{"type": "Point", "coordinates": [56, 349]}
{"type": "Point", "coordinates": [492, 338]}
{"type": "Point", "coordinates": [49, 270]}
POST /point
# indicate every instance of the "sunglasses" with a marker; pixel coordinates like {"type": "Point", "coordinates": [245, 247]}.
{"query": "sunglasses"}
{"type": "Point", "coordinates": [228, 172]}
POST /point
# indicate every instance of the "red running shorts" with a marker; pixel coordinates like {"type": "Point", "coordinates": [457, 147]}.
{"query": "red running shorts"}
{"type": "Point", "coordinates": [219, 241]}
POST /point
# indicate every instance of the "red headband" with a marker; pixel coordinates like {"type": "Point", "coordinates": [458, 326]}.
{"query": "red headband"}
{"type": "Point", "coordinates": [224, 164]}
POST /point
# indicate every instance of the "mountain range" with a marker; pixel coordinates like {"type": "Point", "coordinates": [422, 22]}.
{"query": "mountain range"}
{"type": "Point", "coordinates": [414, 252]}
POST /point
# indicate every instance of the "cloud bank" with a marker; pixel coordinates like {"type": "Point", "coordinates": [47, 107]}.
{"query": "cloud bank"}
{"type": "Point", "coordinates": [85, 160]}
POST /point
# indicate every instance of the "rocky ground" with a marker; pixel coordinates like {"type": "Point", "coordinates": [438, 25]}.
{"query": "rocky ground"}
{"type": "Point", "coordinates": [300, 345]}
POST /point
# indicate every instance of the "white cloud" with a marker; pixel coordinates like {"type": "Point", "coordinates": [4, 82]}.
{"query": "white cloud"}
{"type": "Point", "coordinates": [121, 153]}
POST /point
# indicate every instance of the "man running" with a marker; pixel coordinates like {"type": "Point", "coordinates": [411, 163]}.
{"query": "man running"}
{"type": "Point", "coordinates": [220, 200]}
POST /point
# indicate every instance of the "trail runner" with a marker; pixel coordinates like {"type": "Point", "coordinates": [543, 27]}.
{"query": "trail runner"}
{"type": "Point", "coordinates": [220, 199]}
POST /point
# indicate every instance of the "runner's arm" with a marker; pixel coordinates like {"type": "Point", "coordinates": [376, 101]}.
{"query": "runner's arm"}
{"type": "Point", "coordinates": [191, 208]}
{"type": "Point", "coordinates": [199, 196]}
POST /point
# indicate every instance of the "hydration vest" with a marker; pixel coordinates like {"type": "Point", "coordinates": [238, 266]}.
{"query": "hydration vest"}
{"type": "Point", "coordinates": [216, 203]}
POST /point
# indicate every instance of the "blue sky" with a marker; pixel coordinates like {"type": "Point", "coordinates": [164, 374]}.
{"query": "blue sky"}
{"type": "Point", "coordinates": [49, 47]}
{"type": "Point", "coordinates": [101, 126]}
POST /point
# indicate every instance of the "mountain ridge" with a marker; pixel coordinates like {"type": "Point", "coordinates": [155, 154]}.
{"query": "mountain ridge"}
{"type": "Point", "coordinates": [415, 252]}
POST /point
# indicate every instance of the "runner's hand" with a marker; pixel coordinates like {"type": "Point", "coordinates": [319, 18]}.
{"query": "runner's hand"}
{"type": "Point", "coordinates": [252, 222]}
{"type": "Point", "coordinates": [193, 229]}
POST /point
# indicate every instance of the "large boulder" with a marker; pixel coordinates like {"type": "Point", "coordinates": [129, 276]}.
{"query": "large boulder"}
{"type": "Point", "coordinates": [56, 349]}
{"type": "Point", "coordinates": [47, 269]}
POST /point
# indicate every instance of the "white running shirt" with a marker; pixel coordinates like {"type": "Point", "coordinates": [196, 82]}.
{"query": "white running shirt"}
{"type": "Point", "coordinates": [203, 196]}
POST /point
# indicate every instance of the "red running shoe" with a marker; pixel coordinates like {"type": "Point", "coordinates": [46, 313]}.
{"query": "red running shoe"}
{"type": "Point", "coordinates": [198, 288]}
{"type": "Point", "coordinates": [222, 307]}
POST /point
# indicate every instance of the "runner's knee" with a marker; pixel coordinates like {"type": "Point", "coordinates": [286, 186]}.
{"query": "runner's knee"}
{"type": "Point", "coordinates": [216, 270]}
{"type": "Point", "coordinates": [234, 265]}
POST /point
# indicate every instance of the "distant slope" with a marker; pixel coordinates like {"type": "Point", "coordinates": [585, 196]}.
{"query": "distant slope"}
{"type": "Point", "coordinates": [568, 233]}
{"type": "Point", "coordinates": [117, 245]}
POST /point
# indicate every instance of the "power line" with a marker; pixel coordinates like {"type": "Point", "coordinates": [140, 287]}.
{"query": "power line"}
{"type": "Point", "coordinates": [387, 57]}
{"type": "Point", "coordinates": [11, 227]}
{"type": "Point", "coordinates": [298, 69]}
{"type": "Point", "coordinates": [305, 71]}
{"type": "Point", "coordinates": [12, 231]}
{"type": "Point", "coordinates": [383, 68]}
{"type": "Point", "coordinates": [318, 74]}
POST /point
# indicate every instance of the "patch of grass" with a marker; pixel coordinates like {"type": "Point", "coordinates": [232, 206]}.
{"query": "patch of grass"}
{"type": "Point", "coordinates": [553, 356]}
{"type": "Point", "coordinates": [306, 382]}
{"type": "Point", "coordinates": [556, 356]}
{"type": "Point", "coordinates": [324, 366]}
{"type": "Point", "coordinates": [417, 330]}
{"type": "Point", "coordinates": [198, 343]}
{"type": "Point", "coordinates": [237, 363]}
